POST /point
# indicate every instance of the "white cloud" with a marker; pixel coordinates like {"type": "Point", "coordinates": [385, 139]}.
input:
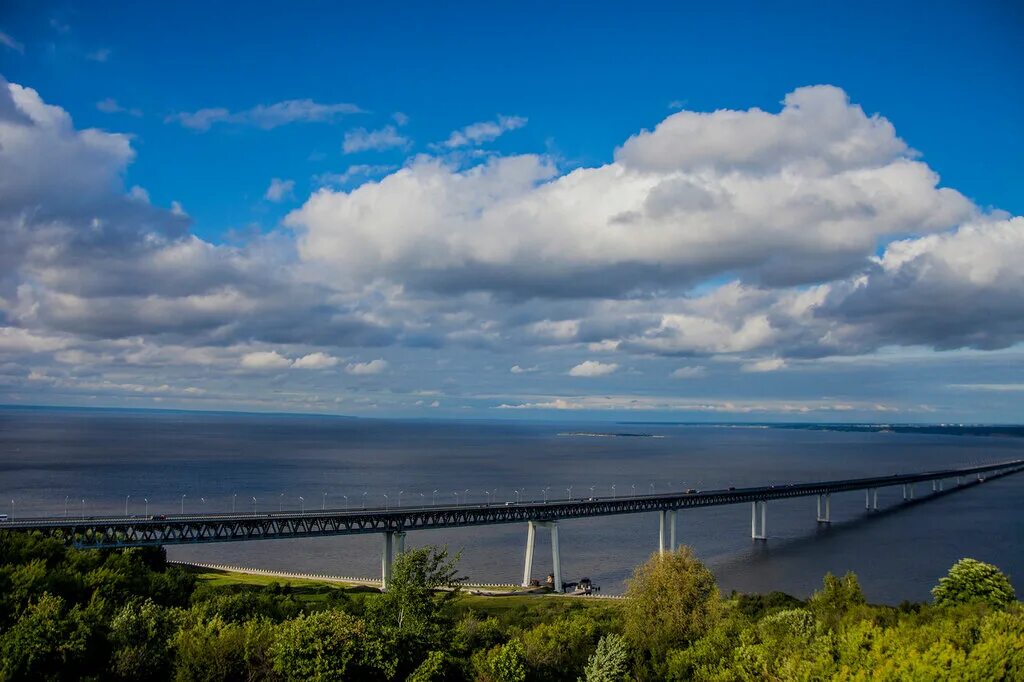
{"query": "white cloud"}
{"type": "Point", "coordinates": [265, 360]}
{"type": "Point", "coordinates": [279, 190]}
{"type": "Point", "coordinates": [766, 365]}
{"type": "Point", "coordinates": [361, 140]}
{"type": "Point", "coordinates": [316, 360]}
{"type": "Point", "coordinates": [265, 116]}
{"type": "Point", "coordinates": [593, 368]}
{"type": "Point", "coordinates": [110, 106]}
{"type": "Point", "coordinates": [357, 171]}
{"type": "Point", "coordinates": [689, 372]}
{"type": "Point", "coordinates": [16, 340]}
{"type": "Point", "coordinates": [798, 197]}
{"type": "Point", "coordinates": [364, 368]}
{"type": "Point", "coordinates": [484, 131]}
{"type": "Point", "coordinates": [644, 403]}
{"type": "Point", "coordinates": [400, 118]}
{"type": "Point", "coordinates": [516, 369]}
{"type": "Point", "coordinates": [7, 41]}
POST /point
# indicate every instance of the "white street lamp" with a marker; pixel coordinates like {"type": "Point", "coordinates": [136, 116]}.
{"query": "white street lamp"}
{"type": "Point", "coordinates": [302, 504]}
{"type": "Point", "coordinates": [146, 499]}
{"type": "Point", "coordinates": [66, 506]}
{"type": "Point", "coordinates": [127, 497]}
{"type": "Point", "coordinates": [183, 496]}
{"type": "Point", "coordinates": [323, 504]}
{"type": "Point", "coordinates": [400, 498]}
{"type": "Point", "coordinates": [254, 506]}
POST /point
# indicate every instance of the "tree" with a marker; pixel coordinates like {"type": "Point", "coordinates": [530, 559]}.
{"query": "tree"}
{"type": "Point", "coordinates": [670, 601]}
{"type": "Point", "coordinates": [414, 616]}
{"type": "Point", "coordinates": [558, 650]}
{"type": "Point", "coordinates": [835, 599]}
{"type": "Point", "coordinates": [323, 646]}
{"type": "Point", "coordinates": [49, 642]}
{"type": "Point", "coordinates": [139, 633]}
{"type": "Point", "coordinates": [610, 661]}
{"type": "Point", "coordinates": [970, 580]}
{"type": "Point", "coordinates": [508, 663]}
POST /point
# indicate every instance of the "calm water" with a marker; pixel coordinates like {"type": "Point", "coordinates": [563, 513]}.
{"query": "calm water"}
{"type": "Point", "coordinates": [898, 553]}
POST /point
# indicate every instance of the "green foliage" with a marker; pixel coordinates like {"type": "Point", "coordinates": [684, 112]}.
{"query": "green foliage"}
{"type": "Point", "coordinates": [969, 581]}
{"type": "Point", "coordinates": [414, 616]}
{"type": "Point", "coordinates": [837, 597]}
{"type": "Point", "coordinates": [559, 649]}
{"type": "Point", "coordinates": [609, 662]}
{"type": "Point", "coordinates": [671, 600]}
{"type": "Point", "coordinates": [322, 646]}
{"type": "Point", "coordinates": [140, 635]}
{"type": "Point", "coordinates": [507, 663]}
{"type": "Point", "coordinates": [68, 614]}
{"type": "Point", "coordinates": [49, 642]}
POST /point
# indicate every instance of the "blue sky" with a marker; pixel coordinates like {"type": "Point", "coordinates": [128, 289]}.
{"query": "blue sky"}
{"type": "Point", "coordinates": [451, 189]}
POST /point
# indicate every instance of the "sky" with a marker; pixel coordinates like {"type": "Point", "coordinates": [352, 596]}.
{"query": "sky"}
{"type": "Point", "coordinates": [655, 211]}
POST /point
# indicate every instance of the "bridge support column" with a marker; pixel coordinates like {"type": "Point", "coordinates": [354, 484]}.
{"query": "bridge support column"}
{"type": "Point", "coordinates": [661, 532]}
{"type": "Point", "coordinates": [531, 536]}
{"type": "Point", "coordinates": [399, 543]}
{"type": "Point", "coordinates": [867, 499]}
{"type": "Point", "coordinates": [958, 480]}
{"type": "Point", "coordinates": [911, 491]}
{"type": "Point", "coordinates": [935, 485]}
{"type": "Point", "coordinates": [827, 518]}
{"type": "Point", "coordinates": [874, 499]}
{"type": "Point", "coordinates": [904, 492]}
{"type": "Point", "coordinates": [940, 485]}
{"type": "Point", "coordinates": [763, 534]}
{"type": "Point", "coordinates": [672, 531]}
{"type": "Point", "coordinates": [556, 559]}
{"type": "Point", "coordinates": [385, 560]}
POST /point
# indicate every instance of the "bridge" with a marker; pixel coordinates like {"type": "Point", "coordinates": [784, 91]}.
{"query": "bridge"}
{"type": "Point", "coordinates": [101, 532]}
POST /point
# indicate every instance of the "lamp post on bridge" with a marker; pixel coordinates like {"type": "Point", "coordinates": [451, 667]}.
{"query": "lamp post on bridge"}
{"type": "Point", "coordinates": [634, 490]}
{"type": "Point", "coordinates": [323, 503]}
{"type": "Point", "coordinates": [613, 491]}
{"type": "Point", "coordinates": [234, 496]}
{"type": "Point", "coordinates": [456, 494]}
{"type": "Point", "coordinates": [400, 492]}
{"type": "Point", "coordinates": [423, 500]}
{"type": "Point", "coordinates": [83, 508]}
{"type": "Point", "coordinates": [545, 491]}
{"type": "Point", "coordinates": [302, 504]}
{"type": "Point", "coordinates": [385, 501]}
{"type": "Point", "coordinates": [465, 496]}
{"type": "Point", "coordinates": [568, 492]}
{"type": "Point", "coordinates": [127, 497]}
{"type": "Point", "coordinates": [364, 499]}
{"type": "Point", "coordinates": [280, 502]}
{"type": "Point", "coordinates": [346, 502]}
{"type": "Point", "coordinates": [592, 491]}
{"type": "Point", "coordinates": [66, 506]}
{"type": "Point", "coordinates": [146, 500]}
{"type": "Point", "coordinates": [254, 506]}
{"type": "Point", "coordinates": [519, 498]}
{"type": "Point", "coordinates": [488, 497]}
{"type": "Point", "coordinates": [433, 498]}
{"type": "Point", "coordinates": [652, 489]}
{"type": "Point", "coordinates": [183, 496]}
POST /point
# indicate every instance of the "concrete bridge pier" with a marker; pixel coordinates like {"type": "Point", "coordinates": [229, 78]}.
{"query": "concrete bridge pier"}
{"type": "Point", "coordinates": [556, 559]}
{"type": "Point", "coordinates": [399, 543]}
{"type": "Point", "coordinates": [871, 499]}
{"type": "Point", "coordinates": [874, 499]}
{"type": "Point", "coordinates": [385, 560]}
{"type": "Point", "coordinates": [827, 518]}
{"type": "Point", "coordinates": [666, 531]}
{"type": "Point", "coordinates": [763, 533]}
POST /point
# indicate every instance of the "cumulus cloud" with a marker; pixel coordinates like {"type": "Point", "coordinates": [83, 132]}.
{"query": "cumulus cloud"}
{"type": "Point", "coordinates": [99, 55]}
{"type": "Point", "coordinates": [483, 131]}
{"type": "Point", "coordinates": [644, 403]}
{"type": "Point", "coordinates": [365, 368]}
{"type": "Point", "coordinates": [688, 372]}
{"type": "Point", "coordinates": [279, 190]}
{"type": "Point", "coordinates": [593, 368]}
{"type": "Point", "coordinates": [361, 140]}
{"type": "Point", "coordinates": [265, 116]}
{"type": "Point", "coordinates": [265, 360]}
{"type": "Point", "coordinates": [318, 360]}
{"type": "Point", "coordinates": [516, 369]}
{"type": "Point", "coordinates": [761, 198]}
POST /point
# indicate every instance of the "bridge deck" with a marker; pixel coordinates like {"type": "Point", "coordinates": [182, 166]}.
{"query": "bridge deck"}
{"type": "Point", "coordinates": [128, 531]}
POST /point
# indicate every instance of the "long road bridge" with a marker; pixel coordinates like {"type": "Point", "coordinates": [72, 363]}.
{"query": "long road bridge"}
{"type": "Point", "coordinates": [101, 532]}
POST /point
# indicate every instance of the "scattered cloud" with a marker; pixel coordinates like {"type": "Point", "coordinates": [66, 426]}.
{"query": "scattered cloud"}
{"type": "Point", "coordinates": [359, 171]}
{"type": "Point", "coordinates": [516, 369]}
{"type": "Point", "coordinates": [100, 55]}
{"type": "Point", "coordinates": [688, 372]}
{"type": "Point", "coordinates": [266, 116]}
{"type": "Point", "coordinates": [644, 403]}
{"type": "Point", "coordinates": [361, 140]}
{"type": "Point", "coordinates": [279, 190]}
{"type": "Point", "coordinates": [399, 118]}
{"type": "Point", "coordinates": [998, 388]}
{"type": "Point", "coordinates": [484, 131]}
{"type": "Point", "coordinates": [593, 368]}
{"type": "Point", "coordinates": [364, 368]}
{"type": "Point", "coordinates": [766, 365]}
{"type": "Point", "coordinates": [7, 41]}
{"type": "Point", "coordinates": [318, 360]}
{"type": "Point", "coordinates": [265, 360]}
{"type": "Point", "coordinates": [110, 106]}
